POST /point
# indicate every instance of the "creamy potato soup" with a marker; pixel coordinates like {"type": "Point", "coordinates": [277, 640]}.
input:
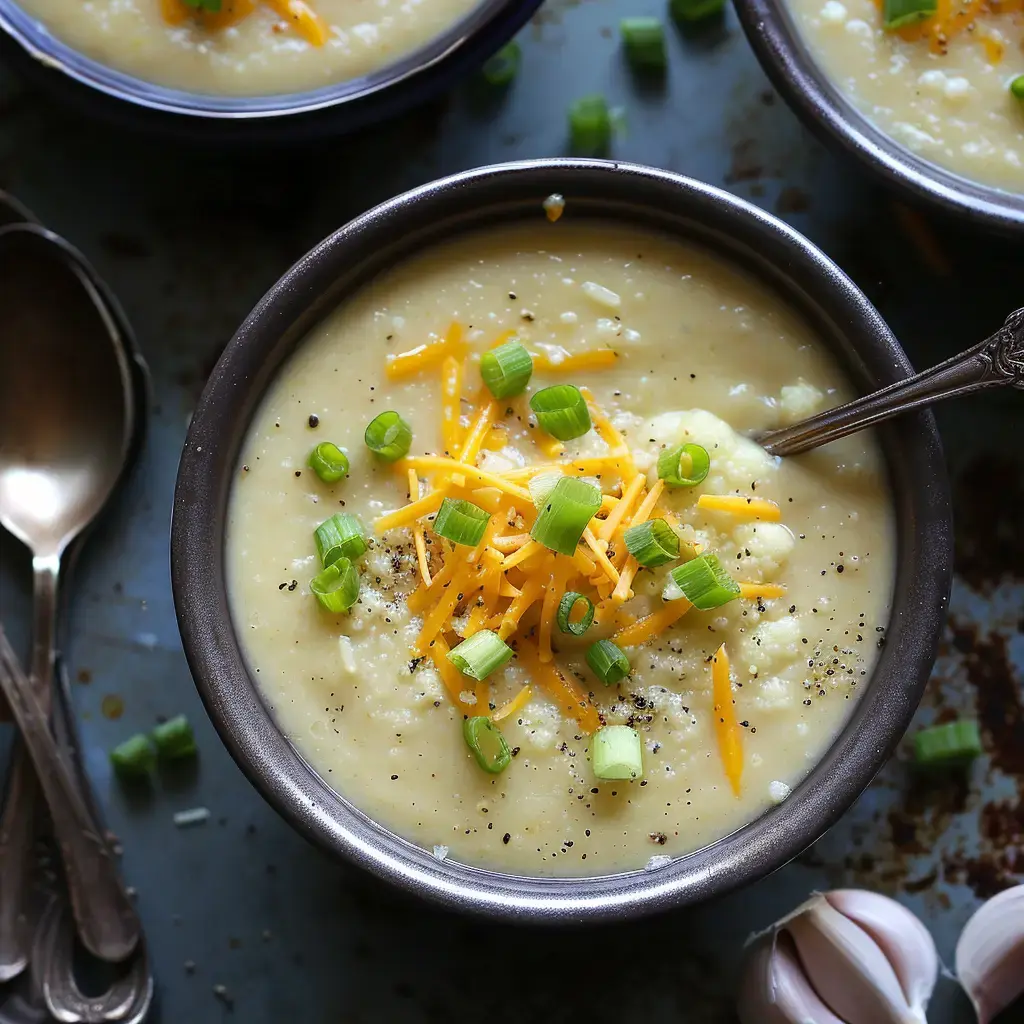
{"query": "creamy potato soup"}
{"type": "Point", "coordinates": [247, 47]}
{"type": "Point", "coordinates": [720, 632]}
{"type": "Point", "coordinates": [947, 85]}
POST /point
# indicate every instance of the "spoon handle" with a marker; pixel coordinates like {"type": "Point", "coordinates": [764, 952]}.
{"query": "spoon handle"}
{"type": "Point", "coordinates": [998, 361]}
{"type": "Point", "coordinates": [108, 925]}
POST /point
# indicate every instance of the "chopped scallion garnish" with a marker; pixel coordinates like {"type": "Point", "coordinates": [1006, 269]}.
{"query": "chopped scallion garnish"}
{"type": "Point", "coordinates": [688, 11]}
{"type": "Point", "coordinates": [329, 462]}
{"type": "Point", "coordinates": [341, 536]}
{"type": "Point", "coordinates": [685, 465]}
{"type": "Point", "coordinates": [210, 6]}
{"type": "Point", "coordinates": [568, 604]}
{"type": "Point", "coordinates": [561, 411]}
{"type": "Point", "coordinates": [951, 743]}
{"type": "Point", "coordinates": [542, 485]}
{"type": "Point", "coordinates": [461, 521]}
{"type": "Point", "coordinates": [1017, 88]}
{"type": "Point", "coordinates": [897, 14]}
{"type": "Point", "coordinates": [174, 739]}
{"type": "Point", "coordinates": [337, 587]}
{"type": "Point", "coordinates": [703, 582]}
{"type": "Point", "coordinates": [608, 662]}
{"type": "Point", "coordinates": [652, 543]}
{"type": "Point", "coordinates": [590, 126]}
{"type": "Point", "coordinates": [506, 370]}
{"type": "Point", "coordinates": [480, 655]}
{"type": "Point", "coordinates": [487, 744]}
{"type": "Point", "coordinates": [134, 758]}
{"type": "Point", "coordinates": [502, 68]}
{"type": "Point", "coordinates": [388, 436]}
{"type": "Point", "coordinates": [616, 753]}
{"type": "Point", "coordinates": [644, 42]}
{"type": "Point", "coordinates": [565, 514]}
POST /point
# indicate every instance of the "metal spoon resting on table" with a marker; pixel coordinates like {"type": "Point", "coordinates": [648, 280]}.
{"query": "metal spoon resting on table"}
{"type": "Point", "coordinates": [997, 361]}
{"type": "Point", "coordinates": [66, 419]}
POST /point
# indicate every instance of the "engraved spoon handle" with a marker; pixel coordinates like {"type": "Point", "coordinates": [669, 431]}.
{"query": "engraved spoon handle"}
{"type": "Point", "coordinates": [108, 925]}
{"type": "Point", "coordinates": [998, 361]}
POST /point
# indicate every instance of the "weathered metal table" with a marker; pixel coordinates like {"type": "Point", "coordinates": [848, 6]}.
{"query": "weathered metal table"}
{"type": "Point", "coordinates": [189, 241]}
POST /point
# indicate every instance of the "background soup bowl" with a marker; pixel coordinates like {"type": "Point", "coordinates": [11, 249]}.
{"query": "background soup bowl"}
{"type": "Point", "coordinates": [488, 198]}
{"type": "Point", "coordinates": [810, 92]}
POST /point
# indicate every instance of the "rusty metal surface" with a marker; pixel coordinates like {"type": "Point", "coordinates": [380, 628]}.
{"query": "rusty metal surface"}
{"type": "Point", "coordinates": [189, 240]}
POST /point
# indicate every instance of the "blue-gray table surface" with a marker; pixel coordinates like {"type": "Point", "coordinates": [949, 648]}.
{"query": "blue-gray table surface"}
{"type": "Point", "coordinates": [189, 241]}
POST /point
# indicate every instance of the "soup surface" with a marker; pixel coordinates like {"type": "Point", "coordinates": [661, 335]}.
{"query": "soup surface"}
{"type": "Point", "coordinates": [248, 48]}
{"type": "Point", "coordinates": [688, 350]}
{"type": "Point", "coordinates": [939, 86]}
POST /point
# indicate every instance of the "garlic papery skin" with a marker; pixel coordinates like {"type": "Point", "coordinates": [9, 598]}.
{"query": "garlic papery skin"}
{"type": "Point", "coordinates": [900, 935]}
{"type": "Point", "coordinates": [990, 954]}
{"type": "Point", "coordinates": [774, 988]}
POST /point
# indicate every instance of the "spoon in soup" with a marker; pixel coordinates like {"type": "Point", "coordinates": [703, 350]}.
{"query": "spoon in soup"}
{"type": "Point", "coordinates": [997, 361]}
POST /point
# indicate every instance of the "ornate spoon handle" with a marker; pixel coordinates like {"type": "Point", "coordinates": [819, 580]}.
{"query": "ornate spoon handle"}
{"type": "Point", "coordinates": [998, 361]}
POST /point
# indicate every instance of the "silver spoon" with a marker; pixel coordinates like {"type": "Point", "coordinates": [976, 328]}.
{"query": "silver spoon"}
{"type": "Point", "coordinates": [66, 419]}
{"type": "Point", "coordinates": [997, 361]}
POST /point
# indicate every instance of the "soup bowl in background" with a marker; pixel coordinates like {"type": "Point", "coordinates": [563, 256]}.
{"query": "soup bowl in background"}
{"type": "Point", "coordinates": [802, 278]}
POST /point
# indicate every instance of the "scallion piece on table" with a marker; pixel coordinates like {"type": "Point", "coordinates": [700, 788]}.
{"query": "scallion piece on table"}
{"type": "Point", "coordinates": [685, 465]}
{"type": "Point", "coordinates": [568, 604]}
{"type": "Point", "coordinates": [644, 42]}
{"type": "Point", "coordinates": [329, 462]}
{"type": "Point", "coordinates": [565, 514]}
{"type": "Point", "coordinates": [174, 739]}
{"type": "Point", "coordinates": [134, 758]}
{"type": "Point", "coordinates": [951, 743]}
{"type": "Point", "coordinates": [652, 543]}
{"type": "Point", "coordinates": [703, 582]}
{"type": "Point", "coordinates": [897, 14]}
{"type": "Point", "coordinates": [500, 70]}
{"type": "Point", "coordinates": [341, 536]}
{"type": "Point", "coordinates": [480, 655]}
{"type": "Point", "coordinates": [461, 521]}
{"type": "Point", "coordinates": [337, 587]}
{"type": "Point", "coordinates": [561, 411]}
{"type": "Point", "coordinates": [607, 662]}
{"type": "Point", "coordinates": [506, 370]}
{"type": "Point", "coordinates": [616, 753]}
{"type": "Point", "coordinates": [590, 126]}
{"type": "Point", "coordinates": [686, 12]}
{"type": "Point", "coordinates": [388, 436]}
{"type": "Point", "coordinates": [1017, 88]}
{"type": "Point", "coordinates": [486, 743]}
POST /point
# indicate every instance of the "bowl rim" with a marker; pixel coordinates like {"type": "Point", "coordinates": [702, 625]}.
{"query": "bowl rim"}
{"type": "Point", "coordinates": [346, 260]}
{"type": "Point", "coordinates": [803, 83]}
{"type": "Point", "coordinates": [36, 39]}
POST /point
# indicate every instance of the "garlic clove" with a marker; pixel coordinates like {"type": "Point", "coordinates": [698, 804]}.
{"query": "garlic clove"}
{"type": "Point", "coordinates": [990, 954]}
{"type": "Point", "coordinates": [900, 935]}
{"type": "Point", "coordinates": [774, 988]}
{"type": "Point", "coordinates": [847, 968]}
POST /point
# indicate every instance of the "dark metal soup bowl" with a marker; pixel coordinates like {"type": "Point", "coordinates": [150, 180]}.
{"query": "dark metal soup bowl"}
{"type": "Point", "coordinates": [642, 198]}
{"type": "Point", "coordinates": [809, 90]}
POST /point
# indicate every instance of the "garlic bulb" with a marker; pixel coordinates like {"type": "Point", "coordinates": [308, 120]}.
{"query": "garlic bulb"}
{"type": "Point", "coordinates": [845, 957]}
{"type": "Point", "coordinates": [990, 954]}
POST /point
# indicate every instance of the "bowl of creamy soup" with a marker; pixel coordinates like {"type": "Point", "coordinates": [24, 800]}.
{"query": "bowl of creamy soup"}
{"type": "Point", "coordinates": [487, 586]}
{"type": "Point", "coordinates": [249, 69]}
{"type": "Point", "coordinates": [928, 94]}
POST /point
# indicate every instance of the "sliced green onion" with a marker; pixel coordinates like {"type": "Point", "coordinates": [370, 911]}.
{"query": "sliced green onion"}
{"type": "Point", "coordinates": [685, 465]}
{"type": "Point", "coordinates": [542, 485]}
{"type": "Point", "coordinates": [616, 753]}
{"type": "Point", "coordinates": [898, 13]}
{"type": "Point", "coordinates": [388, 436]}
{"type": "Point", "coordinates": [174, 739]}
{"type": "Point", "coordinates": [341, 536]}
{"type": "Point", "coordinates": [210, 6]}
{"type": "Point", "coordinates": [133, 758]}
{"type": "Point", "coordinates": [561, 411]}
{"type": "Point", "coordinates": [502, 68]}
{"type": "Point", "coordinates": [566, 606]}
{"type": "Point", "coordinates": [652, 543]}
{"type": "Point", "coordinates": [329, 462]}
{"type": "Point", "coordinates": [607, 662]}
{"type": "Point", "coordinates": [949, 744]}
{"type": "Point", "coordinates": [565, 515]}
{"type": "Point", "coordinates": [1017, 88]}
{"type": "Point", "coordinates": [590, 126]}
{"type": "Point", "coordinates": [484, 739]}
{"type": "Point", "coordinates": [337, 587]}
{"type": "Point", "coordinates": [688, 11]}
{"type": "Point", "coordinates": [703, 582]}
{"type": "Point", "coordinates": [461, 521]}
{"type": "Point", "coordinates": [483, 653]}
{"type": "Point", "coordinates": [644, 42]}
{"type": "Point", "coordinates": [506, 370]}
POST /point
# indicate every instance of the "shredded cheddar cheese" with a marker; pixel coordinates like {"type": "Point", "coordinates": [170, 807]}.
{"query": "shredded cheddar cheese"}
{"type": "Point", "coordinates": [738, 505]}
{"type": "Point", "coordinates": [405, 364]}
{"type": "Point", "coordinates": [727, 729]}
{"type": "Point", "coordinates": [767, 591]}
{"type": "Point", "coordinates": [510, 707]}
{"type": "Point", "coordinates": [599, 359]}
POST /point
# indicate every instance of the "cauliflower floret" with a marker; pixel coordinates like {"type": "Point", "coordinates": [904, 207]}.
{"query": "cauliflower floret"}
{"type": "Point", "coordinates": [774, 645]}
{"type": "Point", "coordinates": [774, 693]}
{"type": "Point", "coordinates": [799, 400]}
{"type": "Point", "coordinates": [769, 544]}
